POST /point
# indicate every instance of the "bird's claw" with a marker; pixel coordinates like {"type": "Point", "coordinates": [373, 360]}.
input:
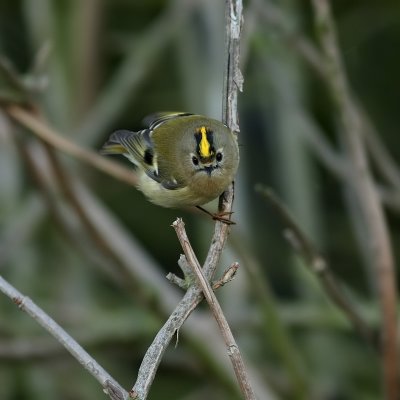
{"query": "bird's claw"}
{"type": "Point", "coordinates": [221, 217]}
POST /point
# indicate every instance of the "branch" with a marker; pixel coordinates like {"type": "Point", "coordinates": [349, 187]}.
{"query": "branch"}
{"type": "Point", "coordinates": [134, 69]}
{"type": "Point", "coordinates": [232, 83]}
{"type": "Point", "coordinates": [111, 387]}
{"type": "Point", "coordinates": [365, 193]}
{"type": "Point", "coordinates": [155, 352]}
{"type": "Point", "coordinates": [140, 268]}
{"type": "Point", "coordinates": [231, 346]}
{"type": "Point", "coordinates": [318, 266]}
{"type": "Point", "coordinates": [29, 120]}
{"type": "Point", "coordinates": [326, 154]}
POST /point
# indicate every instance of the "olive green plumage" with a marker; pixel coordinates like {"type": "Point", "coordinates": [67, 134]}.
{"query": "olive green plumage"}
{"type": "Point", "coordinates": [181, 160]}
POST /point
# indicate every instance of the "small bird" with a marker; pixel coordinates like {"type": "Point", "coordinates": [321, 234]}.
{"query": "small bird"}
{"type": "Point", "coordinates": [181, 159]}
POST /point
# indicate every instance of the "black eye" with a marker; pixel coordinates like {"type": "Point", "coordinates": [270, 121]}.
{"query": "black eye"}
{"type": "Point", "coordinates": [219, 156]}
{"type": "Point", "coordinates": [195, 160]}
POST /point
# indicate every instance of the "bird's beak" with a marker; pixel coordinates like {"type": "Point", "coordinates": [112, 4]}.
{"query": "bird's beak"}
{"type": "Point", "coordinates": [209, 169]}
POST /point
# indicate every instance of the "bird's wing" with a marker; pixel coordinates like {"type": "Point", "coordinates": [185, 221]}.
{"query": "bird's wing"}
{"type": "Point", "coordinates": [155, 120]}
{"type": "Point", "coordinates": [138, 148]}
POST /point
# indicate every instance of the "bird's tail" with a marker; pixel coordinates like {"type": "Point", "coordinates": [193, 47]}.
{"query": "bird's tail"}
{"type": "Point", "coordinates": [114, 143]}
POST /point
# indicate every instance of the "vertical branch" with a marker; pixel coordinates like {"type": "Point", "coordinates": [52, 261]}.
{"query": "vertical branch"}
{"type": "Point", "coordinates": [367, 197]}
{"type": "Point", "coordinates": [233, 79]}
{"type": "Point", "coordinates": [233, 82]}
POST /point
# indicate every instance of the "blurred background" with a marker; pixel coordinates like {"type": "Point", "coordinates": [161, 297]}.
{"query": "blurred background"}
{"type": "Point", "coordinates": [93, 253]}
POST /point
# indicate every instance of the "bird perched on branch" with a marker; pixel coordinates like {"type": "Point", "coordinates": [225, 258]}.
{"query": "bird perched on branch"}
{"type": "Point", "coordinates": [181, 159]}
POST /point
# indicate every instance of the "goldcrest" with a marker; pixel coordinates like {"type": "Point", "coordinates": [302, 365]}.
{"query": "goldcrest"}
{"type": "Point", "coordinates": [181, 159]}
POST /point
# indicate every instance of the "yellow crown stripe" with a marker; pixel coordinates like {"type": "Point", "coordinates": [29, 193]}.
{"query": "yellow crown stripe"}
{"type": "Point", "coordinates": [204, 145]}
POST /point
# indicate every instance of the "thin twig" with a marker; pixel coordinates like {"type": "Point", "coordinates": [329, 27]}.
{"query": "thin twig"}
{"type": "Point", "coordinates": [318, 266]}
{"type": "Point", "coordinates": [228, 275]}
{"type": "Point", "coordinates": [365, 193]}
{"type": "Point", "coordinates": [40, 179]}
{"type": "Point", "coordinates": [31, 121]}
{"type": "Point", "coordinates": [231, 346]}
{"type": "Point", "coordinates": [111, 387]}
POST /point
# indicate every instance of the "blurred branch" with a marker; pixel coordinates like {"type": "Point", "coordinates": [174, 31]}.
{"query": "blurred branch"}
{"type": "Point", "coordinates": [275, 330]}
{"type": "Point", "coordinates": [32, 122]}
{"type": "Point", "coordinates": [64, 181]}
{"type": "Point", "coordinates": [90, 364]}
{"type": "Point", "coordinates": [385, 163]}
{"type": "Point", "coordinates": [130, 75]}
{"type": "Point", "coordinates": [41, 179]}
{"type": "Point", "coordinates": [380, 154]}
{"type": "Point", "coordinates": [365, 192]}
{"type": "Point", "coordinates": [230, 343]}
{"type": "Point", "coordinates": [128, 263]}
{"type": "Point", "coordinates": [11, 86]}
{"type": "Point", "coordinates": [119, 255]}
{"type": "Point", "coordinates": [115, 329]}
{"type": "Point", "coordinates": [318, 266]}
{"type": "Point", "coordinates": [21, 228]}
{"type": "Point", "coordinates": [277, 20]}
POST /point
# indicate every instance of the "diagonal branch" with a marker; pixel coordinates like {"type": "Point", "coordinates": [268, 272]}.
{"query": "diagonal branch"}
{"type": "Point", "coordinates": [31, 121]}
{"type": "Point", "coordinates": [111, 387]}
{"type": "Point", "coordinates": [231, 346]}
{"type": "Point", "coordinates": [319, 266]}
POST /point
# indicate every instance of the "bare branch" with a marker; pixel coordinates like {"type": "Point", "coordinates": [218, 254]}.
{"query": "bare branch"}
{"type": "Point", "coordinates": [231, 346]}
{"type": "Point", "coordinates": [233, 83]}
{"type": "Point", "coordinates": [29, 120]}
{"type": "Point", "coordinates": [228, 275]}
{"type": "Point", "coordinates": [326, 154]}
{"type": "Point", "coordinates": [111, 387]}
{"type": "Point", "coordinates": [155, 352]}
